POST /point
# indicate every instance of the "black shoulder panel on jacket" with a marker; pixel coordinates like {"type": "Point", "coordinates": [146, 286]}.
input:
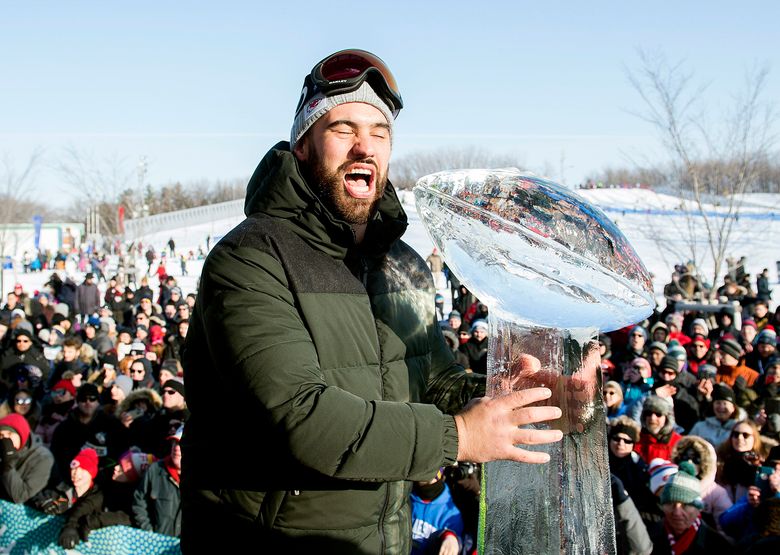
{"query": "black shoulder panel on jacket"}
{"type": "Point", "coordinates": [308, 270]}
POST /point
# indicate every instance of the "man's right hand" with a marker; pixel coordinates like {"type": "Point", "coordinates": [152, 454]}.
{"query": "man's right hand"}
{"type": "Point", "coordinates": [488, 428]}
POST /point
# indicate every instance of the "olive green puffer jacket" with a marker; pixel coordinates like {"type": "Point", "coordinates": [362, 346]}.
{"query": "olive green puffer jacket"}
{"type": "Point", "coordinates": [317, 378]}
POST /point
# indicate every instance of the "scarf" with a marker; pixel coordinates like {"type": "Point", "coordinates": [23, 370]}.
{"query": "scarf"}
{"type": "Point", "coordinates": [681, 544]}
{"type": "Point", "coordinates": [172, 470]}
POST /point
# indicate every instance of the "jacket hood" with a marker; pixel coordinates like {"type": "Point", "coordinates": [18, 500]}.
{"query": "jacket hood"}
{"type": "Point", "coordinates": [278, 189]}
{"type": "Point", "coordinates": [149, 395]}
{"type": "Point", "coordinates": [706, 452]}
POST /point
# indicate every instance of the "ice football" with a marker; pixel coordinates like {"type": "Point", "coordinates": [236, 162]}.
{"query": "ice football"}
{"type": "Point", "coordinates": [545, 255]}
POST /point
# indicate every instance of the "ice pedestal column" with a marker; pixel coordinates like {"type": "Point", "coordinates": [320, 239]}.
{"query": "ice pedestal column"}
{"type": "Point", "coordinates": [564, 506]}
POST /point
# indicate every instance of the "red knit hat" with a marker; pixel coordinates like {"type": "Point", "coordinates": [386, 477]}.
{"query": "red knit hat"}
{"type": "Point", "coordinates": [88, 460]}
{"type": "Point", "coordinates": [18, 424]}
{"type": "Point", "coordinates": [67, 385]}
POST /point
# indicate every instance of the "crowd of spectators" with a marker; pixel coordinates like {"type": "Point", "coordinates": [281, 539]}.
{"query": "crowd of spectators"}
{"type": "Point", "coordinates": [93, 404]}
{"type": "Point", "coordinates": [93, 401]}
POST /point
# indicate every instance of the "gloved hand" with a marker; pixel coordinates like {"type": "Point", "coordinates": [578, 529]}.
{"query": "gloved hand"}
{"type": "Point", "coordinates": [8, 452]}
{"type": "Point", "coordinates": [69, 537]}
{"type": "Point", "coordinates": [87, 524]}
{"type": "Point", "coordinates": [54, 505]}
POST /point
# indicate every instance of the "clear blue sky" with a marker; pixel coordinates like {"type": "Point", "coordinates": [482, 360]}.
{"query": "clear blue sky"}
{"type": "Point", "coordinates": [204, 88]}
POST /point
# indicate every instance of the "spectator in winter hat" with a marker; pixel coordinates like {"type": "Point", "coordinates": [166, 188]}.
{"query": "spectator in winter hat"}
{"type": "Point", "coordinates": [658, 436]}
{"type": "Point", "coordinates": [677, 386]}
{"type": "Point", "coordinates": [726, 325]}
{"type": "Point", "coordinates": [698, 352]}
{"type": "Point", "coordinates": [637, 385]}
{"type": "Point", "coordinates": [675, 323]}
{"type": "Point", "coordinates": [613, 399]}
{"type": "Point", "coordinates": [701, 455]}
{"type": "Point", "coordinates": [87, 499]}
{"type": "Point", "coordinates": [25, 464]}
{"type": "Point", "coordinates": [717, 429]}
{"type": "Point", "coordinates": [636, 347]}
{"type": "Point", "coordinates": [731, 367]}
{"type": "Point", "coordinates": [699, 326]}
{"type": "Point", "coordinates": [765, 347]}
{"type": "Point", "coordinates": [454, 320]}
{"type": "Point", "coordinates": [168, 420]}
{"type": "Point", "coordinates": [747, 334]}
{"type": "Point", "coordinates": [655, 354]}
{"type": "Point", "coordinates": [659, 332]}
{"type": "Point", "coordinates": [85, 425]}
{"type": "Point", "coordinates": [170, 368]}
{"type": "Point", "coordinates": [24, 350]}
{"type": "Point", "coordinates": [121, 388]}
{"type": "Point", "coordinates": [157, 500]}
{"type": "Point", "coordinates": [682, 530]}
{"type": "Point", "coordinates": [625, 463]}
{"type": "Point", "coordinates": [476, 347]}
{"type": "Point", "coordinates": [660, 472]}
{"type": "Point", "coordinates": [141, 374]}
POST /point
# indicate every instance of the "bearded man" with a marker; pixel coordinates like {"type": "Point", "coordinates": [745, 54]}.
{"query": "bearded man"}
{"type": "Point", "coordinates": [317, 323]}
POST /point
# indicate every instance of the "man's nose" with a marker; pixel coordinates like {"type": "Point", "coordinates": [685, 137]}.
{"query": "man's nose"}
{"type": "Point", "coordinates": [364, 145]}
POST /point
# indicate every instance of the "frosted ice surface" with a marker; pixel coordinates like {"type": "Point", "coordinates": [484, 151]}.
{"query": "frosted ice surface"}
{"type": "Point", "coordinates": [565, 261]}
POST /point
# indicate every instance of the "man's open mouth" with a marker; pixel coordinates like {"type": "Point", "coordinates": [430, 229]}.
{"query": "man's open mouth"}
{"type": "Point", "coordinates": [359, 182]}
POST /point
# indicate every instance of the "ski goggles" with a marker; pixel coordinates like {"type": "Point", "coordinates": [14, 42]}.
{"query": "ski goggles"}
{"type": "Point", "coordinates": [346, 70]}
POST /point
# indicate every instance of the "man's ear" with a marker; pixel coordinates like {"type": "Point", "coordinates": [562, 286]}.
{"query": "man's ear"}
{"type": "Point", "coordinates": [301, 149]}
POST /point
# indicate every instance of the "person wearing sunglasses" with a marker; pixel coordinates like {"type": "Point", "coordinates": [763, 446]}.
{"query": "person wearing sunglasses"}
{"type": "Point", "coordinates": [24, 349]}
{"type": "Point", "coordinates": [85, 426]}
{"type": "Point", "coordinates": [613, 400]}
{"type": "Point", "coordinates": [658, 435]}
{"type": "Point", "coordinates": [717, 428]}
{"type": "Point", "coordinates": [739, 458]}
{"type": "Point", "coordinates": [317, 322]}
{"type": "Point", "coordinates": [21, 400]}
{"type": "Point", "coordinates": [627, 464]}
{"type": "Point", "coordinates": [167, 420]}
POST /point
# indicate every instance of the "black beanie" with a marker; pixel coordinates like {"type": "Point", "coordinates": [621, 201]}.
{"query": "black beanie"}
{"type": "Point", "coordinates": [723, 392]}
{"type": "Point", "coordinates": [671, 363]}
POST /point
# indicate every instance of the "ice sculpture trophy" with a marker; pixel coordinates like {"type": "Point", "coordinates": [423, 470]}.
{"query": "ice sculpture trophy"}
{"type": "Point", "coordinates": [553, 271]}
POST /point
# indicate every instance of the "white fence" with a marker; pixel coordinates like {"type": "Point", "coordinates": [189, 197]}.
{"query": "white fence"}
{"type": "Point", "coordinates": [140, 227]}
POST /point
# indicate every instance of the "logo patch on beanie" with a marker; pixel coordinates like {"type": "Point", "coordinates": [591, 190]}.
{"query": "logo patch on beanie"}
{"type": "Point", "coordinates": [313, 106]}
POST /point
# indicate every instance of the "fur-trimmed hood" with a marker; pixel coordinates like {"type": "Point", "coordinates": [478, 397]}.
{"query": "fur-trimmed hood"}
{"type": "Point", "coordinates": [707, 456]}
{"type": "Point", "coordinates": [150, 395]}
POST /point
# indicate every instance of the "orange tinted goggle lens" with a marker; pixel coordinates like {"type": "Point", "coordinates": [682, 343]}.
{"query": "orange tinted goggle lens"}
{"type": "Point", "coordinates": [348, 67]}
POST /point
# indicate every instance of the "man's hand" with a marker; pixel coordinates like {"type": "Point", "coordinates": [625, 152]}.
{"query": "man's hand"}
{"type": "Point", "coordinates": [449, 546]}
{"type": "Point", "coordinates": [754, 496]}
{"type": "Point", "coordinates": [7, 452]}
{"type": "Point", "coordinates": [705, 387]}
{"type": "Point", "coordinates": [488, 428]}
{"type": "Point", "coordinates": [666, 391]}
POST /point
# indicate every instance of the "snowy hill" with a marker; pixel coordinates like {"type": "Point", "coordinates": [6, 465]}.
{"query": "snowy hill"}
{"type": "Point", "coordinates": [650, 221]}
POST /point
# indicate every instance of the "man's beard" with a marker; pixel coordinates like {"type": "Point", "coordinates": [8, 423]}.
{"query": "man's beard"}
{"type": "Point", "coordinates": [329, 187]}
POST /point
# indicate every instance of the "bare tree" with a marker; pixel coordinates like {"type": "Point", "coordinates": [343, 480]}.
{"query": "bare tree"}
{"type": "Point", "coordinates": [16, 185]}
{"type": "Point", "coordinates": [96, 185]}
{"type": "Point", "coordinates": [405, 171]}
{"type": "Point", "coordinates": [716, 157]}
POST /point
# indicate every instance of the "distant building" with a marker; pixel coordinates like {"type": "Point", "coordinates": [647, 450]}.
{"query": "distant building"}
{"type": "Point", "coordinates": [15, 239]}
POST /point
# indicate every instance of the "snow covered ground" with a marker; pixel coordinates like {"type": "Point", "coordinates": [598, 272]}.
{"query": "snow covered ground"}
{"type": "Point", "coordinates": [650, 222]}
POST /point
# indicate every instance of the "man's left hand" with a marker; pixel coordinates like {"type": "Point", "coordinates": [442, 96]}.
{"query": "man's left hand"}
{"type": "Point", "coordinates": [449, 546]}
